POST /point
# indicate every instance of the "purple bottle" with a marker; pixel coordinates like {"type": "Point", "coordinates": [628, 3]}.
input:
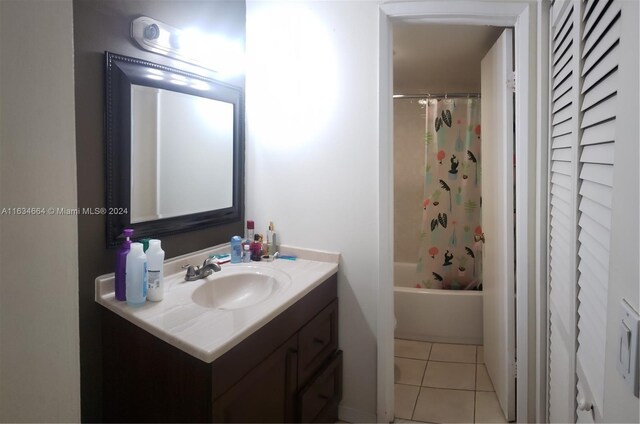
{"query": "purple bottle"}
{"type": "Point", "coordinates": [121, 265]}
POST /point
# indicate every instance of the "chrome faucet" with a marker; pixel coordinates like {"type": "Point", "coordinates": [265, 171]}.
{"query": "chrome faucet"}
{"type": "Point", "coordinates": [209, 266]}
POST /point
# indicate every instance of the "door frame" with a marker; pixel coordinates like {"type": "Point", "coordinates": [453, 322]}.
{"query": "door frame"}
{"type": "Point", "coordinates": [530, 176]}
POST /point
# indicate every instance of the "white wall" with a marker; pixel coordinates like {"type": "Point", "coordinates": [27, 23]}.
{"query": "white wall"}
{"type": "Point", "coordinates": [39, 346]}
{"type": "Point", "coordinates": [620, 405]}
{"type": "Point", "coordinates": [312, 156]}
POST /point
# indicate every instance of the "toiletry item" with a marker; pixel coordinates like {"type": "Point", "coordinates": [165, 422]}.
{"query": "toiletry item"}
{"type": "Point", "coordinates": [221, 258]}
{"type": "Point", "coordinates": [155, 273]}
{"type": "Point", "coordinates": [288, 257]}
{"type": "Point", "coordinates": [274, 244]}
{"type": "Point", "coordinates": [263, 245]}
{"type": "Point", "coordinates": [256, 248]}
{"type": "Point", "coordinates": [236, 249]}
{"type": "Point", "coordinates": [271, 240]}
{"type": "Point", "coordinates": [250, 231]}
{"type": "Point", "coordinates": [121, 265]}
{"type": "Point", "coordinates": [136, 275]}
{"type": "Point", "coordinates": [246, 253]}
{"type": "Point", "coordinates": [145, 244]}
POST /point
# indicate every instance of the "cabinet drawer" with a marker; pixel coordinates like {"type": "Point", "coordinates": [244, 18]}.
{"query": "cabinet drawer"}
{"type": "Point", "coordinates": [318, 400]}
{"type": "Point", "coordinates": [318, 340]}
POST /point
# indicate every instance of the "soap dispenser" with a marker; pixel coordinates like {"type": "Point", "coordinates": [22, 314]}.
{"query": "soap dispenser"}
{"type": "Point", "coordinates": [121, 265]}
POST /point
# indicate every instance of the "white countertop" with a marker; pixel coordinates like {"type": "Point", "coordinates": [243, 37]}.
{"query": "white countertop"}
{"type": "Point", "coordinates": [208, 333]}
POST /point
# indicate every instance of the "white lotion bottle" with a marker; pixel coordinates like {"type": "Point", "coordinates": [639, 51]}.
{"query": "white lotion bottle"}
{"type": "Point", "coordinates": [136, 275]}
{"type": "Point", "coordinates": [155, 264]}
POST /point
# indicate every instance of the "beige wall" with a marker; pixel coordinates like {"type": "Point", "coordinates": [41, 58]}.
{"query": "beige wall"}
{"type": "Point", "coordinates": [408, 178]}
{"type": "Point", "coordinates": [39, 345]}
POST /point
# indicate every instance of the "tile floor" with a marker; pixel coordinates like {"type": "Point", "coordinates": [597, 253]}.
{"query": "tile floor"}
{"type": "Point", "coordinates": [443, 383]}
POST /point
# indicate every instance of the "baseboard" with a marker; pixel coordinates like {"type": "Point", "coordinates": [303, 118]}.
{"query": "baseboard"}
{"type": "Point", "coordinates": [352, 415]}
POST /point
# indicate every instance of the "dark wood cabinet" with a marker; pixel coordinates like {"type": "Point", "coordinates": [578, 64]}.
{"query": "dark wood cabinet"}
{"type": "Point", "coordinates": [318, 400]}
{"type": "Point", "coordinates": [290, 370]}
{"type": "Point", "coordinates": [267, 394]}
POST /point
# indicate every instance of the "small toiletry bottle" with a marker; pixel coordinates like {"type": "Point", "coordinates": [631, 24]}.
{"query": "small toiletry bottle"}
{"type": "Point", "coordinates": [271, 241]}
{"type": "Point", "coordinates": [274, 244]}
{"type": "Point", "coordinates": [250, 231]}
{"type": "Point", "coordinates": [256, 248]}
{"type": "Point", "coordinates": [236, 249]}
{"type": "Point", "coordinates": [155, 274]}
{"type": "Point", "coordinates": [136, 275]}
{"type": "Point", "coordinates": [267, 245]}
{"type": "Point", "coordinates": [121, 265]}
{"type": "Point", "coordinates": [246, 253]}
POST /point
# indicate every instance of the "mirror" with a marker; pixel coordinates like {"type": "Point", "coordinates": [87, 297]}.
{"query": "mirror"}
{"type": "Point", "coordinates": [174, 149]}
{"type": "Point", "coordinates": [169, 176]}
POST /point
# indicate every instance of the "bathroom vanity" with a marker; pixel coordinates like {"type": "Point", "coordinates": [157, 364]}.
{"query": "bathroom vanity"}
{"type": "Point", "coordinates": [192, 358]}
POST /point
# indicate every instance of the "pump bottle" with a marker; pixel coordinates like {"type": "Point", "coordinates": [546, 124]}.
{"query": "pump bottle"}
{"type": "Point", "coordinates": [121, 265]}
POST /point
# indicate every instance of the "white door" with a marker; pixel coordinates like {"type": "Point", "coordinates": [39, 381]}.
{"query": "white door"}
{"type": "Point", "coordinates": [498, 221]}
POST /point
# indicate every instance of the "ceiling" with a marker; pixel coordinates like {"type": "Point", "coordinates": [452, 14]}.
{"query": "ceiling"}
{"type": "Point", "coordinates": [436, 58]}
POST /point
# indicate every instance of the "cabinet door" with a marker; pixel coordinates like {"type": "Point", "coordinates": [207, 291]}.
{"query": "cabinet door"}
{"type": "Point", "coordinates": [266, 394]}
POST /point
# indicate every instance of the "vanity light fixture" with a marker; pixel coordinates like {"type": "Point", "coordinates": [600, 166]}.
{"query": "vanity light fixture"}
{"type": "Point", "coordinates": [214, 53]}
{"type": "Point", "coordinates": [154, 36]}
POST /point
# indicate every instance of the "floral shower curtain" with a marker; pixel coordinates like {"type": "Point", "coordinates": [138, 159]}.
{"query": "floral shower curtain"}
{"type": "Point", "coordinates": [449, 257]}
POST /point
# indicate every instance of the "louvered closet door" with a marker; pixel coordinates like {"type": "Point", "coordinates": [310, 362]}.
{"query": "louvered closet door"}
{"type": "Point", "coordinates": [585, 40]}
{"type": "Point", "coordinates": [564, 58]}
{"type": "Point", "coordinates": [599, 73]}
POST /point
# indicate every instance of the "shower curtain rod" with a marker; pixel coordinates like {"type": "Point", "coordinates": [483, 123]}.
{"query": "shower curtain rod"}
{"type": "Point", "coordinates": [436, 96]}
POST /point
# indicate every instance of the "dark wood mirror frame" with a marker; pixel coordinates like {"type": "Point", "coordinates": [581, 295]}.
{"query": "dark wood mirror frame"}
{"type": "Point", "coordinates": [120, 73]}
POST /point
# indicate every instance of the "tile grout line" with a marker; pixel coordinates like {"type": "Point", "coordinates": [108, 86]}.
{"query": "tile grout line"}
{"type": "Point", "coordinates": [415, 404]}
{"type": "Point", "coordinates": [446, 388]}
{"type": "Point", "coordinates": [420, 389]}
{"type": "Point", "coordinates": [413, 411]}
{"type": "Point", "coordinates": [449, 362]}
{"type": "Point", "coordinates": [428, 359]}
{"type": "Point", "coordinates": [475, 392]}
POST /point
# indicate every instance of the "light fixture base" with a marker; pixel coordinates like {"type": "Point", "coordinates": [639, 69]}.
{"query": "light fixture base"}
{"type": "Point", "coordinates": [158, 37]}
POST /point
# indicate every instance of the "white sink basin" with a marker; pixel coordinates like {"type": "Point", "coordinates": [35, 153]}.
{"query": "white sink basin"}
{"type": "Point", "coordinates": [240, 287]}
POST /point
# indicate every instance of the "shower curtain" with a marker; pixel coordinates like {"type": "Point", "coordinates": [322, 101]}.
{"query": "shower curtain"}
{"type": "Point", "coordinates": [449, 258]}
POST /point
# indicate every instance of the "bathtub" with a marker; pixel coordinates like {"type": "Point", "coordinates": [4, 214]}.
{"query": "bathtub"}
{"type": "Point", "coordinates": [443, 316]}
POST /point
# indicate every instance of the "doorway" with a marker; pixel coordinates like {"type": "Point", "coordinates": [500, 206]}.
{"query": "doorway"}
{"type": "Point", "coordinates": [442, 371]}
{"type": "Point", "coordinates": [475, 13]}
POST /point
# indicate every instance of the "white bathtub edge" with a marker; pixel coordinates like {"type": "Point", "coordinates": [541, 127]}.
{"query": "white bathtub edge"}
{"type": "Point", "coordinates": [436, 315]}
